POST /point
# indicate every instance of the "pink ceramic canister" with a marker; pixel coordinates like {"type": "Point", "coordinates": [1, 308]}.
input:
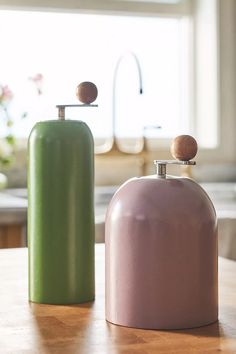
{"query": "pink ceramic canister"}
{"type": "Point", "coordinates": [161, 254]}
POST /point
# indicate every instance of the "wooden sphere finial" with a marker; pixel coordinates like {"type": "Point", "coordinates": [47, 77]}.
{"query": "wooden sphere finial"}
{"type": "Point", "coordinates": [184, 148]}
{"type": "Point", "coordinates": [86, 92]}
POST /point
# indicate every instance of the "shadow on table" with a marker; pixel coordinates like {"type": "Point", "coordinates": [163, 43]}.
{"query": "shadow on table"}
{"type": "Point", "coordinates": [83, 329]}
{"type": "Point", "coordinates": [212, 330]}
{"type": "Point", "coordinates": [224, 327]}
{"type": "Point", "coordinates": [62, 329]}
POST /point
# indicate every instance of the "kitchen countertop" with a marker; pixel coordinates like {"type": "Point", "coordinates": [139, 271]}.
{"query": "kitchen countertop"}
{"type": "Point", "coordinates": [32, 328]}
{"type": "Point", "coordinates": [14, 203]}
{"type": "Point", "coordinates": [13, 208]}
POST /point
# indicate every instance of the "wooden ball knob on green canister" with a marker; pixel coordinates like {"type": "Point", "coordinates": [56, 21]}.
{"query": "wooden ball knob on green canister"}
{"type": "Point", "coordinates": [61, 212]}
{"type": "Point", "coordinates": [86, 92]}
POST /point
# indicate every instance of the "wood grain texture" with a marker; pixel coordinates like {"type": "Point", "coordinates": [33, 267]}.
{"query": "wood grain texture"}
{"type": "Point", "coordinates": [31, 328]}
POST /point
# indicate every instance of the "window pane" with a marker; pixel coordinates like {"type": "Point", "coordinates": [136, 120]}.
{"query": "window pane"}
{"type": "Point", "coordinates": [69, 48]}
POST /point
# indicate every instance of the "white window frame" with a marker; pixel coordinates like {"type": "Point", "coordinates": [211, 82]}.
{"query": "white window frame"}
{"type": "Point", "coordinates": [152, 7]}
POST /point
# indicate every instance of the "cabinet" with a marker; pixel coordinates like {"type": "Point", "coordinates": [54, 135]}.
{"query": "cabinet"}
{"type": "Point", "coordinates": [13, 218]}
{"type": "Point", "coordinates": [13, 236]}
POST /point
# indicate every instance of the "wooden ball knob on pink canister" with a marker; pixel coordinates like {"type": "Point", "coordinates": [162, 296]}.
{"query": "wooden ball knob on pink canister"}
{"type": "Point", "coordinates": [161, 250]}
{"type": "Point", "coordinates": [184, 147]}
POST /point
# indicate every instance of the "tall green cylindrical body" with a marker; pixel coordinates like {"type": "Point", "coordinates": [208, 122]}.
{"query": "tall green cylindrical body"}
{"type": "Point", "coordinates": [61, 212]}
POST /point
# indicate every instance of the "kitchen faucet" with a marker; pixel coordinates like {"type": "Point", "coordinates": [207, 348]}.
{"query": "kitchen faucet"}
{"type": "Point", "coordinates": [112, 148]}
{"type": "Point", "coordinates": [140, 88]}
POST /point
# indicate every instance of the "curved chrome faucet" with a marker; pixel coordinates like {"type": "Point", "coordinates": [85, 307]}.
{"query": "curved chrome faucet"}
{"type": "Point", "coordinates": [113, 146]}
{"type": "Point", "coordinates": [134, 56]}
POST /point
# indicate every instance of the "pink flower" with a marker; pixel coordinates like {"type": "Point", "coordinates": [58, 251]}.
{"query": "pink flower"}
{"type": "Point", "coordinates": [6, 95]}
{"type": "Point", "coordinates": [38, 81]}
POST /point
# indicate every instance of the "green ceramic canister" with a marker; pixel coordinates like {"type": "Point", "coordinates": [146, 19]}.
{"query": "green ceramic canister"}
{"type": "Point", "coordinates": [61, 212]}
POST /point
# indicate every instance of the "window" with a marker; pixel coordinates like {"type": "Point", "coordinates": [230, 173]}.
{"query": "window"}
{"type": "Point", "coordinates": [69, 48]}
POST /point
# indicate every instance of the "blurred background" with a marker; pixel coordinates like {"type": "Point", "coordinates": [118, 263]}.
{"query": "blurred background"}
{"type": "Point", "coordinates": [162, 68]}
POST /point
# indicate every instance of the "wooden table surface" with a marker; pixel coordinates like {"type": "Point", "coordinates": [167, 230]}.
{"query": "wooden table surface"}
{"type": "Point", "coordinates": [32, 328]}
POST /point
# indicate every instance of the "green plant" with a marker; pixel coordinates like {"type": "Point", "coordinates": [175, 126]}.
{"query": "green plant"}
{"type": "Point", "coordinates": [8, 141]}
